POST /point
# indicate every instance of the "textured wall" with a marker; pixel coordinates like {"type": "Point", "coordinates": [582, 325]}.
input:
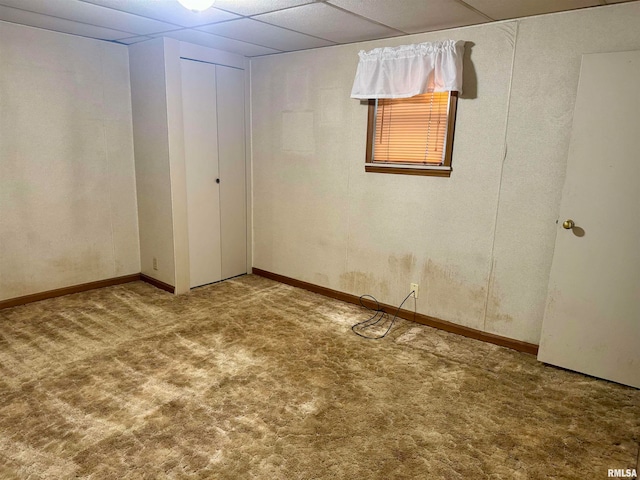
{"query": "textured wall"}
{"type": "Point", "coordinates": [153, 177]}
{"type": "Point", "coordinates": [173, 77]}
{"type": "Point", "coordinates": [545, 83]}
{"type": "Point", "coordinates": [479, 243]}
{"type": "Point", "coordinates": [67, 186]}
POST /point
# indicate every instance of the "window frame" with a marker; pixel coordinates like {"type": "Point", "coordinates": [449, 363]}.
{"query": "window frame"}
{"type": "Point", "coordinates": [443, 170]}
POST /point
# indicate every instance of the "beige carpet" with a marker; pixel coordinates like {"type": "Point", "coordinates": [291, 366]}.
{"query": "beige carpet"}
{"type": "Point", "coordinates": [252, 379]}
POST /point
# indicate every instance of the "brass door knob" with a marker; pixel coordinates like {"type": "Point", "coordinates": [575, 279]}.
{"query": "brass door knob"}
{"type": "Point", "coordinates": [568, 224]}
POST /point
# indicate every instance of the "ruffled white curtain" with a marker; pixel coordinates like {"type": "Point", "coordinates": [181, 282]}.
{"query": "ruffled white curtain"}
{"type": "Point", "coordinates": [408, 70]}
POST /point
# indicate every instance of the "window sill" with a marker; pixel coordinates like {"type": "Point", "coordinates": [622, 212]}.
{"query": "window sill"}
{"type": "Point", "coordinates": [432, 171]}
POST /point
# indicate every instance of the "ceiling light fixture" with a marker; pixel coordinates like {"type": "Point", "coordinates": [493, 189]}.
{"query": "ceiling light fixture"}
{"type": "Point", "coordinates": [196, 5]}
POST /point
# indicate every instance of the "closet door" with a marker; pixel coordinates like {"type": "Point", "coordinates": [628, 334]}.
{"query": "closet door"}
{"type": "Point", "coordinates": [591, 322]}
{"type": "Point", "coordinates": [201, 159]}
{"type": "Point", "coordinates": [231, 148]}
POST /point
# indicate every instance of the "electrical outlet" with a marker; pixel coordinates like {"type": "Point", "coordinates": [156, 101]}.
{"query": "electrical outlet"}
{"type": "Point", "coordinates": [155, 263]}
{"type": "Point", "coordinates": [415, 289]}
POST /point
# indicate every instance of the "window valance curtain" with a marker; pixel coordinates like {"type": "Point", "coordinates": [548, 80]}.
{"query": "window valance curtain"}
{"type": "Point", "coordinates": [409, 70]}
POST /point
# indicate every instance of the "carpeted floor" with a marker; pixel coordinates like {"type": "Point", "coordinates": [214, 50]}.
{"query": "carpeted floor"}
{"type": "Point", "coordinates": [250, 378]}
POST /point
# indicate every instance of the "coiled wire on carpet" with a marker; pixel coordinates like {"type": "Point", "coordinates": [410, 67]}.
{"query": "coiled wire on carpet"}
{"type": "Point", "coordinates": [380, 311]}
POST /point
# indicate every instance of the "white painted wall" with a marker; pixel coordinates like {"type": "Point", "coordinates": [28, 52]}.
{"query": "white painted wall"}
{"type": "Point", "coordinates": [545, 84]}
{"type": "Point", "coordinates": [177, 167]}
{"type": "Point", "coordinates": [67, 188]}
{"type": "Point", "coordinates": [479, 243]}
{"type": "Point", "coordinates": [153, 177]}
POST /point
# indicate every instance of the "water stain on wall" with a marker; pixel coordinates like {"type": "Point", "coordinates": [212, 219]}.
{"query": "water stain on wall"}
{"type": "Point", "coordinates": [452, 296]}
{"type": "Point", "coordinates": [66, 268]}
{"type": "Point", "coordinates": [494, 303]}
{"type": "Point", "coordinates": [321, 279]}
{"type": "Point", "coordinates": [403, 265]}
{"type": "Point", "coordinates": [493, 313]}
{"type": "Point", "coordinates": [87, 259]}
{"type": "Point", "coordinates": [396, 277]}
{"type": "Point", "coordinates": [446, 292]}
{"type": "Point", "coordinates": [361, 283]}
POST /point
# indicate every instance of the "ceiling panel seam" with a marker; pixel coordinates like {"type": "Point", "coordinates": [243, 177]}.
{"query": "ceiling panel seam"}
{"type": "Point", "coordinates": [219, 36]}
{"type": "Point", "coordinates": [366, 18]}
{"type": "Point", "coordinates": [134, 15]}
{"type": "Point", "coordinates": [289, 29]}
{"type": "Point", "coordinates": [465, 4]}
{"type": "Point", "coordinates": [129, 34]}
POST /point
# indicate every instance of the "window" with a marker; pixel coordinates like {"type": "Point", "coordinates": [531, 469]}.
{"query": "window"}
{"type": "Point", "coordinates": [413, 93]}
{"type": "Point", "coordinates": [413, 135]}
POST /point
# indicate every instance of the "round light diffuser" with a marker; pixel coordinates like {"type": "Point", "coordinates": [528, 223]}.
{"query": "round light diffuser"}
{"type": "Point", "coordinates": [196, 5]}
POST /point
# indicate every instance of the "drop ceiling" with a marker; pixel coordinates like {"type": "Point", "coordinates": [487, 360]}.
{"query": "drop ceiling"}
{"type": "Point", "coordinates": [262, 27]}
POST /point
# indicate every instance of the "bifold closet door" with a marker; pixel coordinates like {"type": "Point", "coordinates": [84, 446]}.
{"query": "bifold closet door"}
{"type": "Point", "coordinates": [214, 138]}
{"type": "Point", "coordinates": [231, 150]}
{"type": "Point", "coordinates": [201, 159]}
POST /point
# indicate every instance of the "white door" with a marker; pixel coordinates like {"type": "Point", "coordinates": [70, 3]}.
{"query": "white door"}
{"type": "Point", "coordinates": [201, 159]}
{"type": "Point", "coordinates": [231, 143]}
{"type": "Point", "coordinates": [592, 317]}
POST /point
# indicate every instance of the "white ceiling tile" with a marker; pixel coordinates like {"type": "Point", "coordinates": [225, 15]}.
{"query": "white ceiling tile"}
{"type": "Point", "coordinates": [264, 34]}
{"type": "Point", "coordinates": [324, 21]}
{"type": "Point", "coordinates": [221, 43]}
{"type": "Point", "coordinates": [254, 7]}
{"type": "Point", "coordinates": [502, 9]}
{"type": "Point", "coordinates": [32, 19]}
{"type": "Point", "coordinates": [169, 11]}
{"type": "Point", "coordinates": [274, 26]}
{"type": "Point", "coordinates": [91, 14]}
{"type": "Point", "coordinates": [413, 16]}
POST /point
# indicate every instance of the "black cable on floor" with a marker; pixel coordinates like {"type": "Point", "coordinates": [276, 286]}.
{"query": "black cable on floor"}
{"type": "Point", "coordinates": [378, 310]}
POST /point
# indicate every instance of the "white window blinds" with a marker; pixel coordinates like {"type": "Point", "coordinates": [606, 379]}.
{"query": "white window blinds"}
{"type": "Point", "coordinates": [412, 131]}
